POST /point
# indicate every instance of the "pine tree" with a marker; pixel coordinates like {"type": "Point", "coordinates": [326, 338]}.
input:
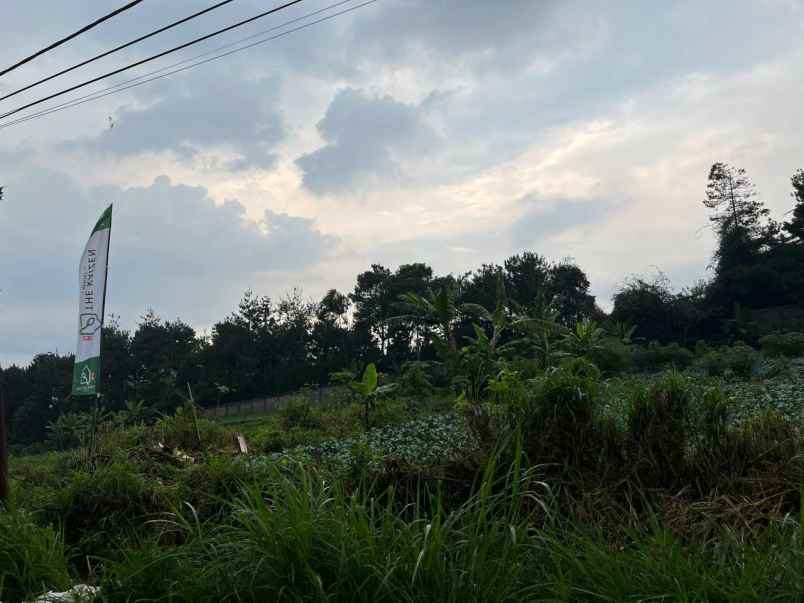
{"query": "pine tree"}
{"type": "Point", "coordinates": [795, 227]}
{"type": "Point", "coordinates": [733, 197]}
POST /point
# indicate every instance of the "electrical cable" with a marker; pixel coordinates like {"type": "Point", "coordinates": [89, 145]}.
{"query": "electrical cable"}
{"type": "Point", "coordinates": [139, 81]}
{"type": "Point", "coordinates": [71, 36]}
{"type": "Point", "coordinates": [116, 48]}
{"type": "Point", "coordinates": [151, 58]}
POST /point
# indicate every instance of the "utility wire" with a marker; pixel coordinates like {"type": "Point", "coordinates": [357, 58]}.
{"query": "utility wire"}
{"type": "Point", "coordinates": [71, 36]}
{"type": "Point", "coordinates": [117, 48]}
{"type": "Point", "coordinates": [152, 58]}
{"type": "Point", "coordinates": [188, 60]}
{"type": "Point", "coordinates": [139, 81]}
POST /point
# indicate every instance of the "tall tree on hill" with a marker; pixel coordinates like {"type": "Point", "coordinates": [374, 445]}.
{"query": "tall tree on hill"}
{"type": "Point", "coordinates": [733, 197]}
{"type": "Point", "coordinates": [331, 341]}
{"type": "Point", "coordinates": [795, 226]}
{"type": "Point", "coordinates": [745, 233]}
{"type": "Point", "coordinates": [162, 357]}
{"type": "Point", "coordinates": [373, 304]}
{"type": "Point", "coordinates": [568, 292]}
{"type": "Point", "coordinates": [528, 275]}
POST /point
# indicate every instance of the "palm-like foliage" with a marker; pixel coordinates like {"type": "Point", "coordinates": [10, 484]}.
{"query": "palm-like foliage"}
{"type": "Point", "coordinates": [585, 339]}
{"type": "Point", "coordinates": [498, 318]}
{"type": "Point", "coordinates": [437, 308]}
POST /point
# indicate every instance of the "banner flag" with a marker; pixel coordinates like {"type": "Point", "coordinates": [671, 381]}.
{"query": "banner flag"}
{"type": "Point", "coordinates": [92, 298]}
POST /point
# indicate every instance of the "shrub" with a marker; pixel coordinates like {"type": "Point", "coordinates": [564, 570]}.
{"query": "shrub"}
{"type": "Point", "coordinates": [415, 379]}
{"type": "Point", "coordinates": [69, 430]}
{"type": "Point", "coordinates": [560, 417]}
{"type": "Point", "coordinates": [32, 558]}
{"type": "Point", "coordinates": [298, 413]}
{"type": "Point", "coordinates": [185, 430]}
{"type": "Point", "coordinates": [658, 428]}
{"type": "Point", "coordinates": [767, 448]}
{"type": "Point", "coordinates": [95, 508]}
{"type": "Point", "coordinates": [783, 344]}
{"type": "Point", "coordinates": [739, 360]}
{"type": "Point", "coordinates": [655, 356]}
{"type": "Point", "coordinates": [614, 356]}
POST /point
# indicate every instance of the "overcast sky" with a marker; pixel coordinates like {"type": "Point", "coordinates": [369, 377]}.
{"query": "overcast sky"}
{"type": "Point", "coordinates": [453, 132]}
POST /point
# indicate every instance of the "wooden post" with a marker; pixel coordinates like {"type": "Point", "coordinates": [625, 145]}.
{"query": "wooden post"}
{"type": "Point", "coordinates": [4, 488]}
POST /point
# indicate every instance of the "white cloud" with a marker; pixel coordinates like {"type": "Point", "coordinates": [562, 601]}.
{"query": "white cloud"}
{"type": "Point", "coordinates": [173, 249]}
{"type": "Point", "coordinates": [453, 132]}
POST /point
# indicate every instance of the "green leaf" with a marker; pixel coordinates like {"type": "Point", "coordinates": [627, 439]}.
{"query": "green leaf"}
{"type": "Point", "coordinates": [370, 378]}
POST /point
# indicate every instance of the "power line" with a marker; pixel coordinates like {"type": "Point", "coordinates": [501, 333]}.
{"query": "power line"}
{"type": "Point", "coordinates": [193, 58]}
{"type": "Point", "coordinates": [139, 81]}
{"type": "Point", "coordinates": [71, 36]}
{"type": "Point", "coordinates": [153, 57]}
{"type": "Point", "coordinates": [117, 48]}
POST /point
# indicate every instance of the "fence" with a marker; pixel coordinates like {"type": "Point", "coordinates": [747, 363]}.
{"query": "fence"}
{"type": "Point", "coordinates": [316, 396]}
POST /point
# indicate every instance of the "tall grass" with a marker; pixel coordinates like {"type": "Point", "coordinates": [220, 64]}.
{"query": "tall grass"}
{"type": "Point", "coordinates": [304, 539]}
{"type": "Point", "coordinates": [32, 559]}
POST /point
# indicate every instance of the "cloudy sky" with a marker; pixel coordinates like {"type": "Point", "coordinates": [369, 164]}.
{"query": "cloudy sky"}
{"type": "Point", "coordinates": [454, 132]}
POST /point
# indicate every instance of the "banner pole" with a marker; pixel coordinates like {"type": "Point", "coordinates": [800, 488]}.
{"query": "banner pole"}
{"type": "Point", "coordinates": [103, 309]}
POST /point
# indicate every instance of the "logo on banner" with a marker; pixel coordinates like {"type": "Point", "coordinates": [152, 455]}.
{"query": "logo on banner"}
{"type": "Point", "coordinates": [87, 377]}
{"type": "Point", "coordinates": [90, 323]}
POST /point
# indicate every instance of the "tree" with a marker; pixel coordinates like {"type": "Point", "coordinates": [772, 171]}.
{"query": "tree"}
{"type": "Point", "coordinates": [332, 308]}
{"type": "Point", "coordinates": [116, 364]}
{"type": "Point", "coordinates": [745, 236]}
{"type": "Point", "coordinates": [795, 227]}
{"type": "Point", "coordinates": [437, 309]}
{"type": "Point", "coordinates": [528, 278]}
{"type": "Point", "coordinates": [568, 292]}
{"type": "Point", "coordinates": [732, 196]}
{"type": "Point", "coordinates": [331, 339]}
{"type": "Point", "coordinates": [47, 395]}
{"type": "Point", "coordinates": [373, 304]}
{"type": "Point", "coordinates": [163, 356]}
{"type": "Point", "coordinates": [658, 314]}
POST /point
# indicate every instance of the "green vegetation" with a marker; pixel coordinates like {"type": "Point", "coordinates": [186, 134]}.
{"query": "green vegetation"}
{"type": "Point", "coordinates": [629, 487]}
{"type": "Point", "coordinates": [499, 438]}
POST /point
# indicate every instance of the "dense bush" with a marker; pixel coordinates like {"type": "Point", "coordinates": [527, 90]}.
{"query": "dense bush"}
{"type": "Point", "coordinates": [783, 344]}
{"type": "Point", "coordinates": [739, 360]}
{"type": "Point", "coordinates": [187, 431]}
{"type": "Point", "coordinates": [297, 413]}
{"type": "Point", "coordinates": [560, 420]}
{"type": "Point", "coordinates": [658, 430]}
{"type": "Point", "coordinates": [97, 507]}
{"type": "Point", "coordinates": [655, 356]}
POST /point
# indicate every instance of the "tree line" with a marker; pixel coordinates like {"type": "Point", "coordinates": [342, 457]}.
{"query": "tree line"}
{"type": "Point", "coordinates": [408, 316]}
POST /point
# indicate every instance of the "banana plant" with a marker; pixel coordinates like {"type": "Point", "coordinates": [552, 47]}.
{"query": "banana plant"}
{"type": "Point", "coordinates": [370, 392]}
{"type": "Point", "coordinates": [585, 339]}
{"type": "Point", "coordinates": [508, 316]}
{"type": "Point", "coordinates": [437, 308]}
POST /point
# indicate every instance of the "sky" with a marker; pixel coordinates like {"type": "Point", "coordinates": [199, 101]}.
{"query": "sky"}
{"type": "Point", "coordinates": [453, 132]}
